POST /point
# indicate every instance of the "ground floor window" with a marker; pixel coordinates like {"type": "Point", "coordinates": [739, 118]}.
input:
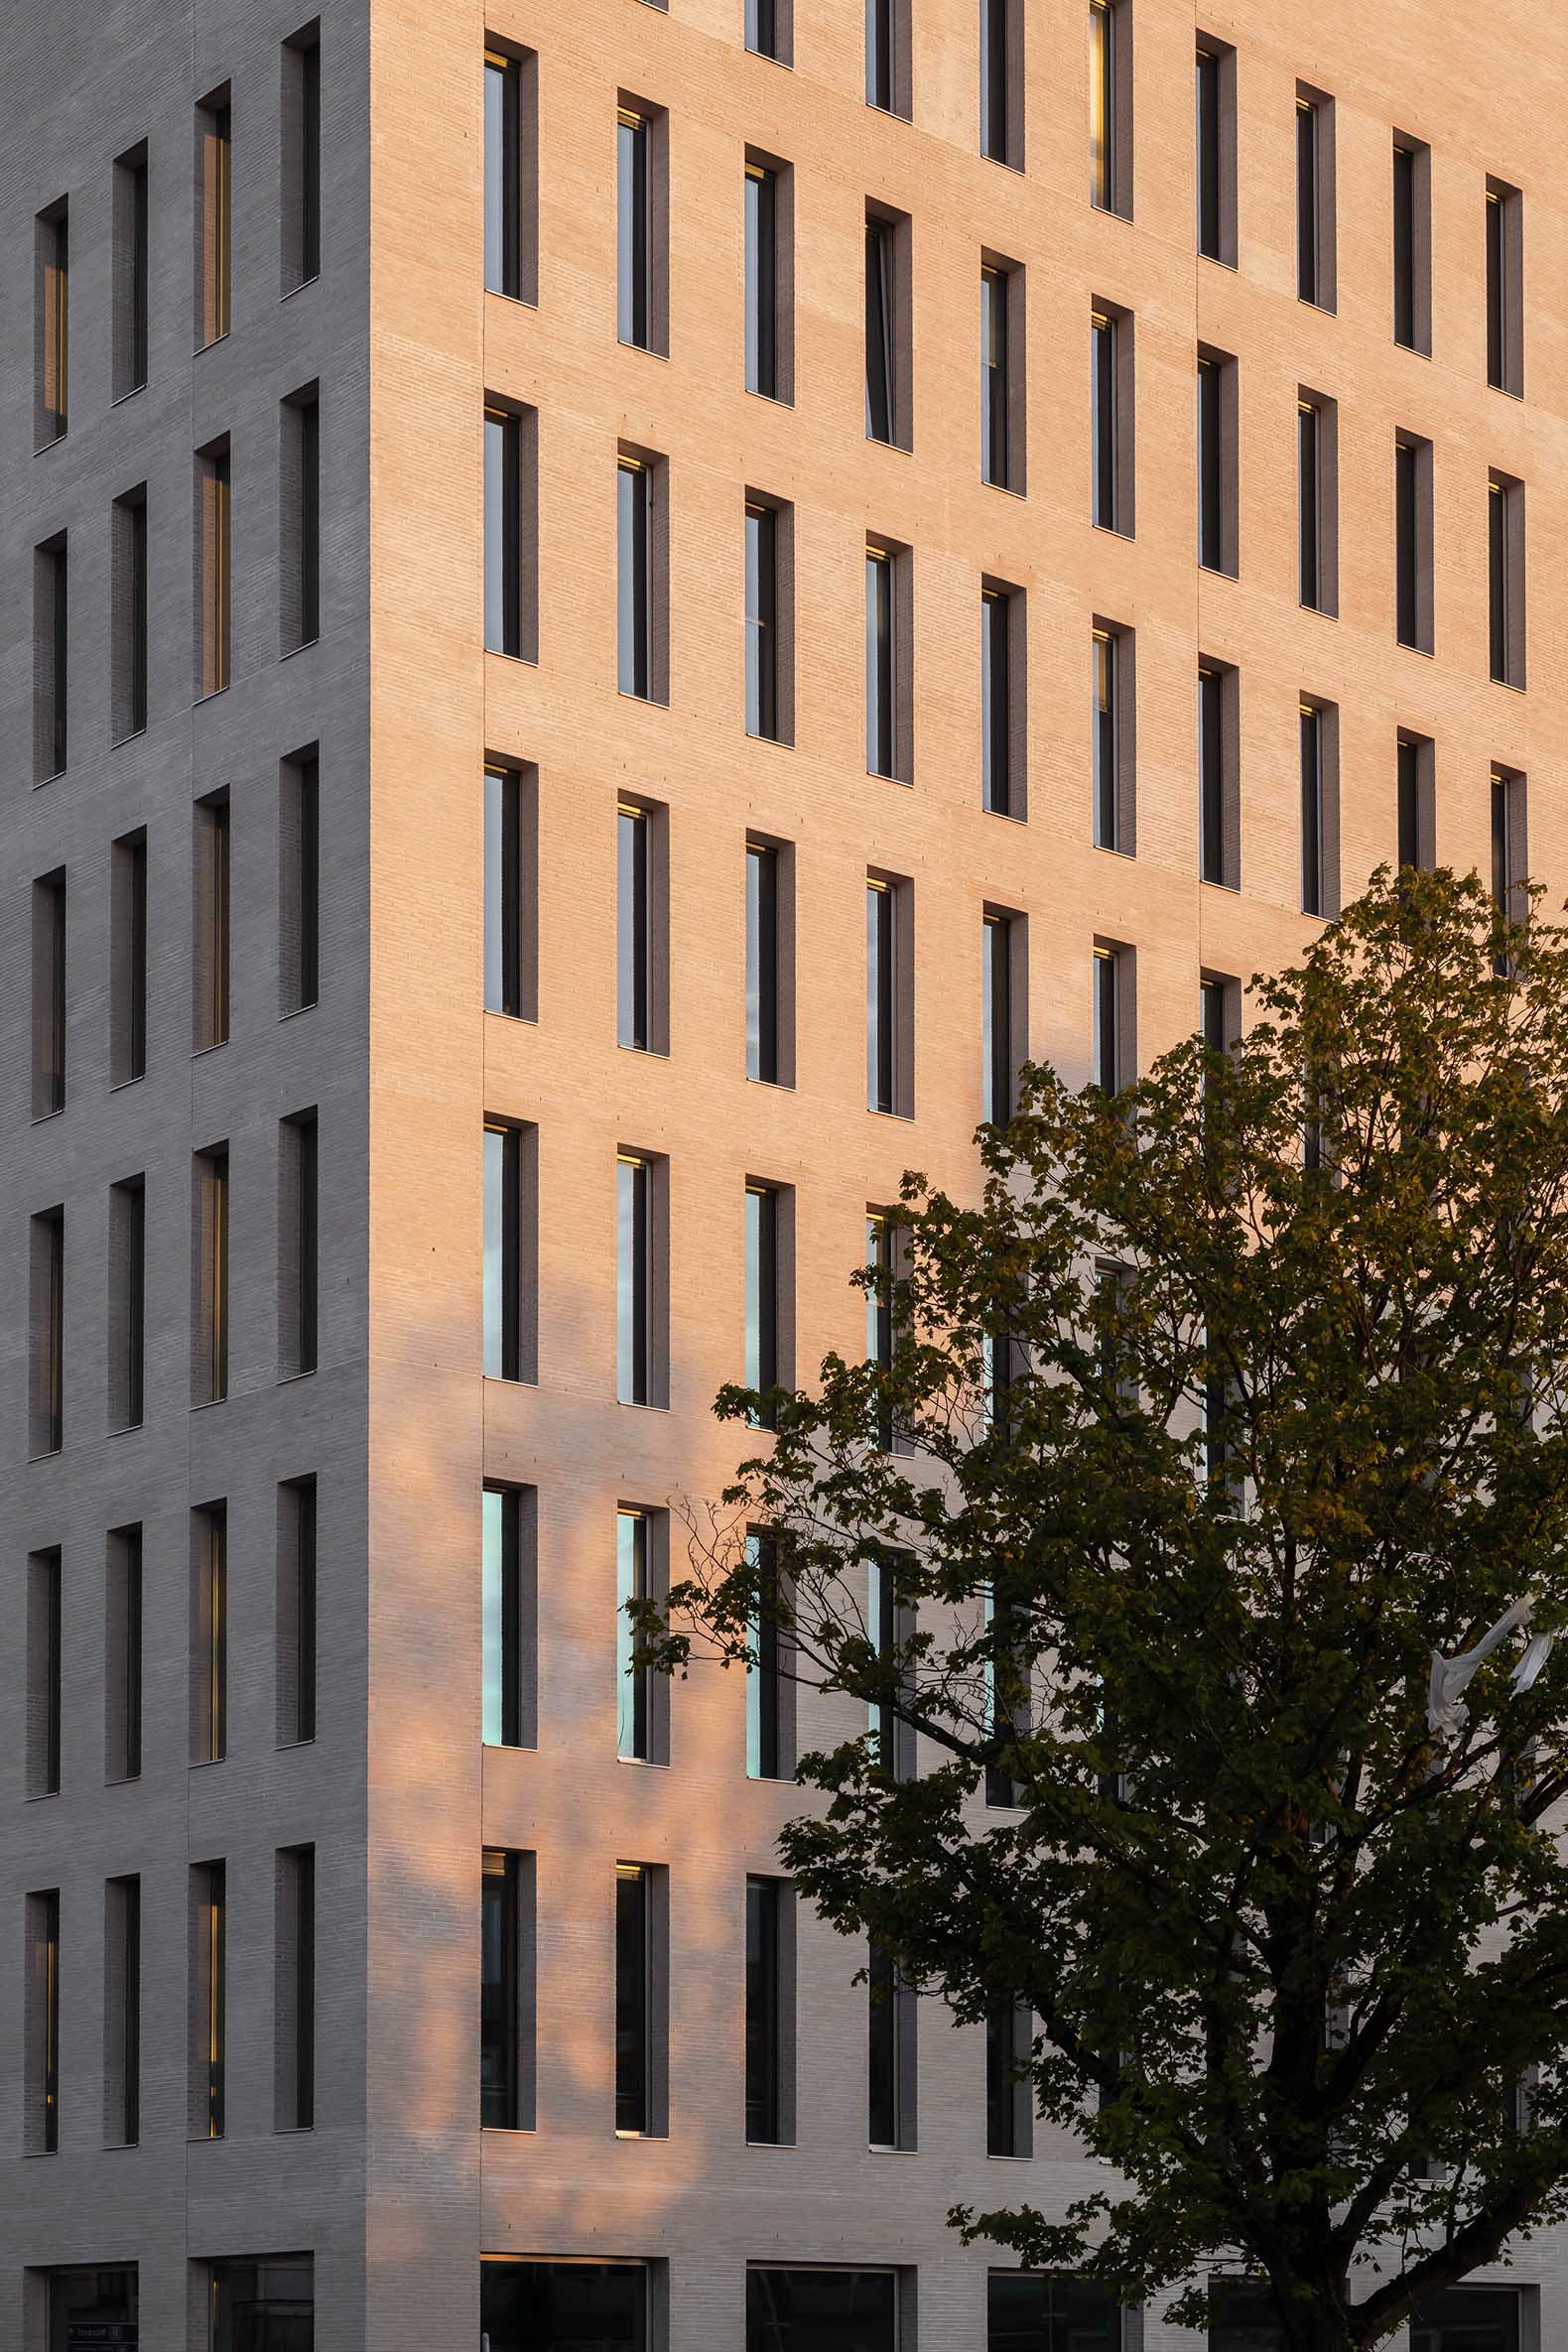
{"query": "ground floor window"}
{"type": "Point", "coordinates": [1467, 2319]}
{"type": "Point", "coordinates": [563, 2306]}
{"type": "Point", "coordinates": [821, 2311]}
{"type": "Point", "coordinates": [93, 2309]}
{"type": "Point", "coordinates": [1244, 2320]}
{"type": "Point", "coordinates": [264, 2302]}
{"type": "Point", "coordinates": [1040, 2311]}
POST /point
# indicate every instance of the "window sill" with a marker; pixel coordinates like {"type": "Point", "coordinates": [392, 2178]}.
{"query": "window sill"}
{"type": "Point", "coordinates": [641, 1404]}
{"type": "Point", "coordinates": [213, 343]}
{"type": "Point", "coordinates": [305, 646]}
{"type": "Point", "coordinates": [290, 1379]}
{"type": "Point", "coordinates": [1115, 531]}
{"type": "Point", "coordinates": [779, 742]}
{"type": "Point", "coordinates": [871, 1111]}
{"type": "Point", "coordinates": [1220, 262]}
{"type": "Point", "coordinates": [53, 777]}
{"type": "Point", "coordinates": [1416, 352]}
{"type": "Point", "coordinates": [198, 1052]}
{"type": "Point", "coordinates": [292, 1747]}
{"type": "Point", "coordinates": [1425, 651]}
{"type": "Point", "coordinates": [528, 661]}
{"type": "Point", "coordinates": [520, 301]}
{"type": "Point", "coordinates": [643, 1763]}
{"type": "Point", "coordinates": [304, 287]}
{"type": "Point", "coordinates": [654, 2136]}
{"type": "Point", "coordinates": [781, 1086]}
{"type": "Point", "coordinates": [208, 1404]}
{"type": "Point", "coordinates": [648, 350]}
{"type": "Point", "coordinates": [784, 400]}
{"type": "Point", "coordinates": [1508, 685]}
{"type": "Point", "coordinates": [879, 776]}
{"type": "Point", "coordinates": [296, 1011]}
{"type": "Point", "coordinates": [1507, 391]}
{"type": "Point", "coordinates": [1319, 612]}
{"type": "Point", "coordinates": [1114, 849]}
{"type": "Point", "coordinates": [509, 2130]}
{"type": "Point", "coordinates": [52, 1454]}
{"type": "Point", "coordinates": [130, 393]}
{"type": "Point", "coordinates": [903, 449]}
{"type": "Point", "coordinates": [41, 1118]}
{"type": "Point", "coordinates": [1326, 308]}
{"type": "Point", "coordinates": [210, 696]}
{"type": "Point", "coordinates": [1007, 489]}
{"type": "Point", "coordinates": [1232, 889]}
{"type": "Point", "coordinates": [650, 701]}
{"type": "Point", "coordinates": [132, 735]}
{"type": "Point", "coordinates": [117, 1086]}
{"type": "Point", "coordinates": [1217, 570]}
{"type": "Point", "coordinates": [40, 1796]}
{"type": "Point", "coordinates": [127, 1429]}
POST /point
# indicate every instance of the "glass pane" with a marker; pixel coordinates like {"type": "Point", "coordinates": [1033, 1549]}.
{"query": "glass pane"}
{"type": "Point", "coordinates": [821, 2310]}
{"type": "Point", "coordinates": [494, 1609]}
{"type": "Point", "coordinates": [495, 1251]}
{"type": "Point", "coordinates": [529, 2306]}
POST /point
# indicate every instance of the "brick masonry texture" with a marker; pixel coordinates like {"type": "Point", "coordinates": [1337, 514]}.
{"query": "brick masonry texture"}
{"type": "Point", "coordinates": [394, 2190]}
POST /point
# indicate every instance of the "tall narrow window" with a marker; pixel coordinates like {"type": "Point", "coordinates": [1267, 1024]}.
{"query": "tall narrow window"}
{"type": "Point", "coordinates": [1317, 502]}
{"type": "Point", "coordinates": [299, 519]}
{"type": "Point", "coordinates": [1412, 527]}
{"type": "Point", "coordinates": [996, 432]}
{"type": "Point", "coordinates": [43, 1673]}
{"type": "Point", "coordinates": [762, 634]}
{"type": "Point", "coordinates": [1215, 129]}
{"type": "Point", "coordinates": [634, 1999]}
{"type": "Point", "coordinates": [890, 2080]}
{"type": "Point", "coordinates": [887, 358]}
{"type": "Point", "coordinates": [762, 1366]}
{"type": "Point", "coordinates": [1504, 288]}
{"type": "Point", "coordinates": [1416, 833]}
{"type": "Point", "coordinates": [210, 923]}
{"type": "Point", "coordinates": [507, 1600]}
{"type": "Point", "coordinates": [294, 1990]}
{"type": "Point", "coordinates": [999, 1041]}
{"type": "Point", "coordinates": [1008, 2106]}
{"type": "Point", "coordinates": [300, 882]}
{"type": "Point", "coordinates": [503, 891]}
{"type": "Point", "coordinates": [1113, 778]}
{"type": "Point", "coordinates": [215, 231]}
{"type": "Point", "coordinates": [634, 579]}
{"type": "Point", "coordinates": [301, 158]}
{"type": "Point", "coordinates": [765, 992]}
{"type": "Point", "coordinates": [122, 2012]}
{"type": "Point", "coordinates": [128, 614]}
{"type": "Point", "coordinates": [49, 994]}
{"type": "Point", "coordinates": [122, 1680]}
{"type": "Point", "coordinates": [130, 272]}
{"type": "Point", "coordinates": [1506, 579]}
{"type": "Point", "coordinates": [510, 174]}
{"type": "Point", "coordinates": [770, 1690]}
{"type": "Point", "coordinates": [887, 55]}
{"type": "Point", "coordinates": [42, 1999]}
{"type": "Point", "coordinates": [1003, 765]}
{"type": "Point", "coordinates": [1217, 462]}
{"type": "Point", "coordinates": [1219, 817]}
{"type": "Point", "coordinates": [52, 323]}
{"type": "Point", "coordinates": [634, 1726]}
{"type": "Point", "coordinates": [889, 636]}
{"type": "Point", "coordinates": [1001, 81]}
{"type": "Point", "coordinates": [1412, 243]}
{"type": "Point", "coordinates": [215, 565]}
{"type": "Point", "coordinates": [640, 1370]}
{"type": "Point", "coordinates": [127, 1334]}
{"type": "Point", "coordinates": [1108, 1060]}
{"type": "Point", "coordinates": [885, 1022]}
{"type": "Point", "coordinates": [770, 2007]}
{"type": "Point", "coordinates": [128, 960]}
{"type": "Point", "coordinates": [1315, 198]}
{"type": "Point", "coordinates": [1106, 332]}
{"type": "Point", "coordinates": [634, 229]}
{"type": "Point", "coordinates": [209, 2000]}
{"type": "Point", "coordinates": [209, 1633]}
{"type": "Point", "coordinates": [634, 927]}
{"type": "Point", "coordinates": [1314, 878]}
{"type": "Point", "coordinates": [503, 517]}
{"type": "Point", "coordinates": [508, 1251]}
{"type": "Point", "coordinates": [50, 658]}
{"type": "Point", "coordinates": [1510, 844]}
{"type": "Point", "coordinates": [209, 1357]}
{"type": "Point", "coordinates": [47, 1333]}
{"type": "Point", "coordinates": [296, 1613]}
{"type": "Point", "coordinates": [503, 1886]}
{"type": "Point", "coordinates": [298, 1245]}
{"type": "Point", "coordinates": [762, 280]}
{"type": "Point", "coordinates": [1111, 106]}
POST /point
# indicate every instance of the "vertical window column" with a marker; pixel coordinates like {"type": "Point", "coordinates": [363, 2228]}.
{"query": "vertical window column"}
{"type": "Point", "coordinates": [210, 1287]}
{"type": "Point", "coordinates": [509, 1599]}
{"type": "Point", "coordinates": [301, 157]}
{"type": "Point", "coordinates": [208, 2000]}
{"type": "Point", "coordinates": [1111, 106]}
{"type": "Point", "coordinates": [770, 2012]}
{"type": "Point", "coordinates": [214, 209]}
{"type": "Point", "coordinates": [49, 994]}
{"type": "Point", "coordinates": [769, 278]}
{"type": "Point", "coordinates": [771, 619]}
{"type": "Point", "coordinates": [1001, 81]}
{"type": "Point", "coordinates": [770, 1688]}
{"type": "Point", "coordinates": [41, 2048]}
{"type": "Point", "coordinates": [890, 996]}
{"type": "Point", "coordinates": [642, 1280]}
{"type": "Point", "coordinates": [1219, 785]}
{"type": "Point", "coordinates": [888, 344]}
{"type": "Point", "coordinates": [1320, 879]}
{"type": "Point", "coordinates": [127, 1319]}
{"type": "Point", "coordinates": [887, 58]}
{"type": "Point", "coordinates": [1415, 788]}
{"type": "Point", "coordinates": [1113, 762]}
{"type": "Point", "coordinates": [642, 226]}
{"type": "Point", "coordinates": [1004, 966]}
{"type": "Point", "coordinates": [1009, 2102]}
{"type": "Point", "coordinates": [511, 561]}
{"type": "Point", "coordinates": [1111, 451]}
{"type": "Point", "coordinates": [1315, 197]}
{"type": "Point", "coordinates": [209, 976]}
{"type": "Point", "coordinates": [128, 618]}
{"type": "Point", "coordinates": [1504, 288]}
{"type": "Point", "coordinates": [296, 1613]}
{"type": "Point", "coordinates": [769, 30]}
{"type": "Point", "coordinates": [50, 658]}
{"type": "Point", "coordinates": [511, 173]}
{"type": "Point", "coordinates": [641, 1999]}
{"type": "Point", "coordinates": [1217, 462]}
{"type": "Point", "coordinates": [510, 1251]}
{"type": "Point", "coordinates": [209, 1633]}
{"type": "Point", "coordinates": [43, 1673]}
{"type": "Point", "coordinates": [298, 1245]}
{"type": "Point", "coordinates": [1412, 530]}
{"type": "Point", "coordinates": [769, 963]}
{"type": "Point", "coordinates": [128, 958]}
{"type": "Point", "coordinates": [122, 2012]}
{"type": "Point", "coordinates": [642, 1703]}
{"type": "Point", "coordinates": [891, 2054]}
{"type": "Point", "coordinates": [1003, 342]}
{"type": "Point", "coordinates": [889, 662]}
{"type": "Point", "coordinates": [642, 577]}
{"type": "Point", "coordinates": [1412, 243]}
{"type": "Point", "coordinates": [122, 1686]}
{"type": "Point", "coordinates": [294, 1990]}
{"type": "Point", "coordinates": [1506, 579]}
{"type": "Point", "coordinates": [51, 323]}
{"type": "Point", "coordinates": [1214, 138]}
{"type": "Point", "coordinates": [215, 565]}
{"type": "Point", "coordinates": [769, 1289]}
{"type": "Point", "coordinates": [47, 1333]}
{"type": "Point", "coordinates": [299, 882]}
{"type": "Point", "coordinates": [299, 519]}
{"type": "Point", "coordinates": [130, 227]}
{"type": "Point", "coordinates": [511, 857]}
{"type": "Point", "coordinates": [1509, 843]}
{"type": "Point", "coordinates": [1317, 500]}
{"type": "Point", "coordinates": [1004, 762]}
{"type": "Point", "coordinates": [506, 1991]}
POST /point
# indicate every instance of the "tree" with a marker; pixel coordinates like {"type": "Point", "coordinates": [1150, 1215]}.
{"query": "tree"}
{"type": "Point", "coordinates": [1235, 1397]}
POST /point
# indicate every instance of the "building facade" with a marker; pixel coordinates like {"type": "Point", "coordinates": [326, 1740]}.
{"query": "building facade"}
{"type": "Point", "coordinates": [613, 610]}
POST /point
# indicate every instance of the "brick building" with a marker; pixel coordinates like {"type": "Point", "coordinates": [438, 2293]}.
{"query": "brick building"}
{"type": "Point", "coordinates": [614, 609]}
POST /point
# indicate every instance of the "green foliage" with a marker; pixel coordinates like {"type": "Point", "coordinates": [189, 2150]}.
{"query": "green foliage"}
{"type": "Point", "coordinates": [1178, 1580]}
